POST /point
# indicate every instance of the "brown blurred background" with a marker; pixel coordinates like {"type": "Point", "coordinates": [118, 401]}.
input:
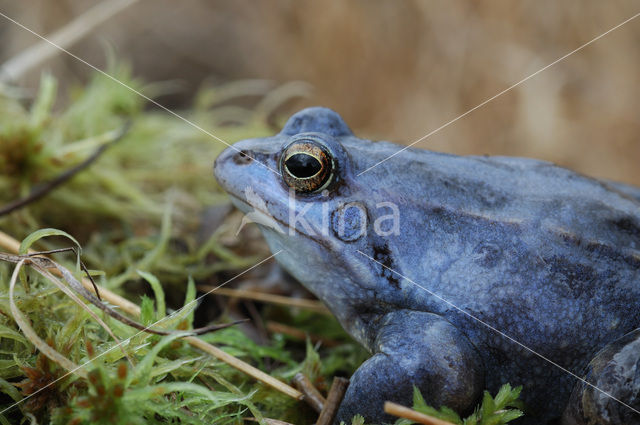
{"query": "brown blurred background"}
{"type": "Point", "coordinates": [394, 70]}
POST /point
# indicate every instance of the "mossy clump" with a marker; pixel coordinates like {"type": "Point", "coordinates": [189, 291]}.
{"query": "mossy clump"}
{"type": "Point", "coordinates": [142, 214]}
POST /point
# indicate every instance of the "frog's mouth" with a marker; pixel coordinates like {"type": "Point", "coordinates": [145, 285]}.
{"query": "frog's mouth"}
{"type": "Point", "coordinates": [259, 215]}
{"type": "Point", "coordinates": [241, 204]}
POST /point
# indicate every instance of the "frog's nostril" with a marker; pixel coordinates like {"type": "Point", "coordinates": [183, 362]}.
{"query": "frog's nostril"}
{"type": "Point", "coordinates": [242, 157]}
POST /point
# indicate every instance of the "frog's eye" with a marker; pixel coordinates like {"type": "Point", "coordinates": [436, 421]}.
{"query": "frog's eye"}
{"type": "Point", "coordinates": [305, 166]}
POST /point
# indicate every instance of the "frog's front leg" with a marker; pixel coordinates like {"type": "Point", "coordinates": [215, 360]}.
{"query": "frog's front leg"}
{"type": "Point", "coordinates": [616, 371]}
{"type": "Point", "coordinates": [415, 348]}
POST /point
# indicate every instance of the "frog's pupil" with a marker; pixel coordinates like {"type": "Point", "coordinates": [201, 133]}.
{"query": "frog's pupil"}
{"type": "Point", "coordinates": [302, 165]}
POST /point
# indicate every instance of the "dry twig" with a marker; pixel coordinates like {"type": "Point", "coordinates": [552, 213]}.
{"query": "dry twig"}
{"type": "Point", "coordinates": [334, 398]}
{"type": "Point", "coordinates": [269, 421]}
{"type": "Point", "coordinates": [267, 298]}
{"type": "Point", "coordinates": [64, 38]}
{"type": "Point", "coordinates": [41, 191]}
{"type": "Point", "coordinates": [43, 265]}
{"type": "Point", "coordinates": [26, 328]}
{"type": "Point", "coordinates": [13, 245]}
{"type": "Point", "coordinates": [276, 327]}
{"type": "Point", "coordinates": [311, 394]}
{"type": "Point", "coordinates": [404, 412]}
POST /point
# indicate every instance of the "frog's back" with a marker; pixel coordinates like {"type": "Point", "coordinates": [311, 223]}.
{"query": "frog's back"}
{"type": "Point", "coordinates": [508, 190]}
{"type": "Point", "coordinates": [578, 236]}
{"type": "Point", "coordinates": [545, 255]}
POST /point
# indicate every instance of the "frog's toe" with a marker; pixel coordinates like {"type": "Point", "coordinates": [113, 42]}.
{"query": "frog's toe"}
{"type": "Point", "coordinates": [615, 372]}
{"type": "Point", "coordinates": [415, 349]}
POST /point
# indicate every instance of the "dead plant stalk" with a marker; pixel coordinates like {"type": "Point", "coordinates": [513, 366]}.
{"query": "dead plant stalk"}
{"type": "Point", "coordinates": [12, 245]}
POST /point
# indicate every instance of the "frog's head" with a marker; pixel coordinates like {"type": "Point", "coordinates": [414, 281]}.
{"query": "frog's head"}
{"type": "Point", "coordinates": [300, 188]}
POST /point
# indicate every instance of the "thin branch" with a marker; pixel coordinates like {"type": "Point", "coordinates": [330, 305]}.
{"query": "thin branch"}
{"type": "Point", "coordinates": [78, 301]}
{"type": "Point", "coordinates": [82, 266]}
{"type": "Point", "coordinates": [276, 327]}
{"type": "Point", "coordinates": [74, 31]}
{"type": "Point", "coordinates": [268, 421]}
{"type": "Point", "coordinates": [265, 297]}
{"type": "Point", "coordinates": [25, 326]}
{"type": "Point", "coordinates": [404, 412]}
{"type": "Point", "coordinates": [311, 394]}
{"type": "Point", "coordinates": [41, 191]}
{"type": "Point", "coordinates": [43, 264]}
{"type": "Point", "coordinates": [13, 245]}
{"type": "Point", "coordinates": [334, 398]}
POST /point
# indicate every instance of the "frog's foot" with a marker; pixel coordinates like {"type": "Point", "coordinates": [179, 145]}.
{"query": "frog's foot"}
{"type": "Point", "coordinates": [415, 348]}
{"type": "Point", "coordinates": [616, 371]}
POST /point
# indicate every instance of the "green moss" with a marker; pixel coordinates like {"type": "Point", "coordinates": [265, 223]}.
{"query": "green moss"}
{"type": "Point", "coordinates": [137, 213]}
{"type": "Point", "coordinates": [502, 409]}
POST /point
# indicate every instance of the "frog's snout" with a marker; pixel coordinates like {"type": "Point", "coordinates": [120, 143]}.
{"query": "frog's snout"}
{"type": "Point", "coordinates": [242, 157]}
{"type": "Point", "coordinates": [234, 155]}
{"type": "Point", "coordinates": [221, 164]}
{"type": "Point", "coordinates": [234, 167]}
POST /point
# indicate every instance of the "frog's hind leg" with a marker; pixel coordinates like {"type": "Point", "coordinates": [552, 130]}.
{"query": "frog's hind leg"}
{"type": "Point", "coordinates": [414, 348]}
{"type": "Point", "coordinates": [616, 371]}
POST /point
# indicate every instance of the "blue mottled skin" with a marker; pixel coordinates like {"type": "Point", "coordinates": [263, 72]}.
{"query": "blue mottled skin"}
{"type": "Point", "coordinates": [545, 255]}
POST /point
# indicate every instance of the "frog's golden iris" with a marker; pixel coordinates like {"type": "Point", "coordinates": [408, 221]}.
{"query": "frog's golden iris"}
{"type": "Point", "coordinates": [305, 166]}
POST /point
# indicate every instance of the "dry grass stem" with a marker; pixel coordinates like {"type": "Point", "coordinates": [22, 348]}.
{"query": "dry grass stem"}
{"type": "Point", "coordinates": [275, 327]}
{"type": "Point", "coordinates": [407, 413]}
{"type": "Point", "coordinates": [269, 421]}
{"type": "Point", "coordinates": [312, 305]}
{"type": "Point", "coordinates": [28, 331]}
{"type": "Point", "coordinates": [311, 394]}
{"type": "Point", "coordinates": [334, 398]}
{"type": "Point", "coordinates": [40, 191]}
{"type": "Point", "coordinates": [13, 245]}
{"type": "Point", "coordinates": [44, 272]}
{"type": "Point", "coordinates": [65, 37]}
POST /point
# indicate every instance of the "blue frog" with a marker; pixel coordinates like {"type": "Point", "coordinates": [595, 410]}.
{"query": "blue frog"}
{"type": "Point", "coordinates": [458, 273]}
